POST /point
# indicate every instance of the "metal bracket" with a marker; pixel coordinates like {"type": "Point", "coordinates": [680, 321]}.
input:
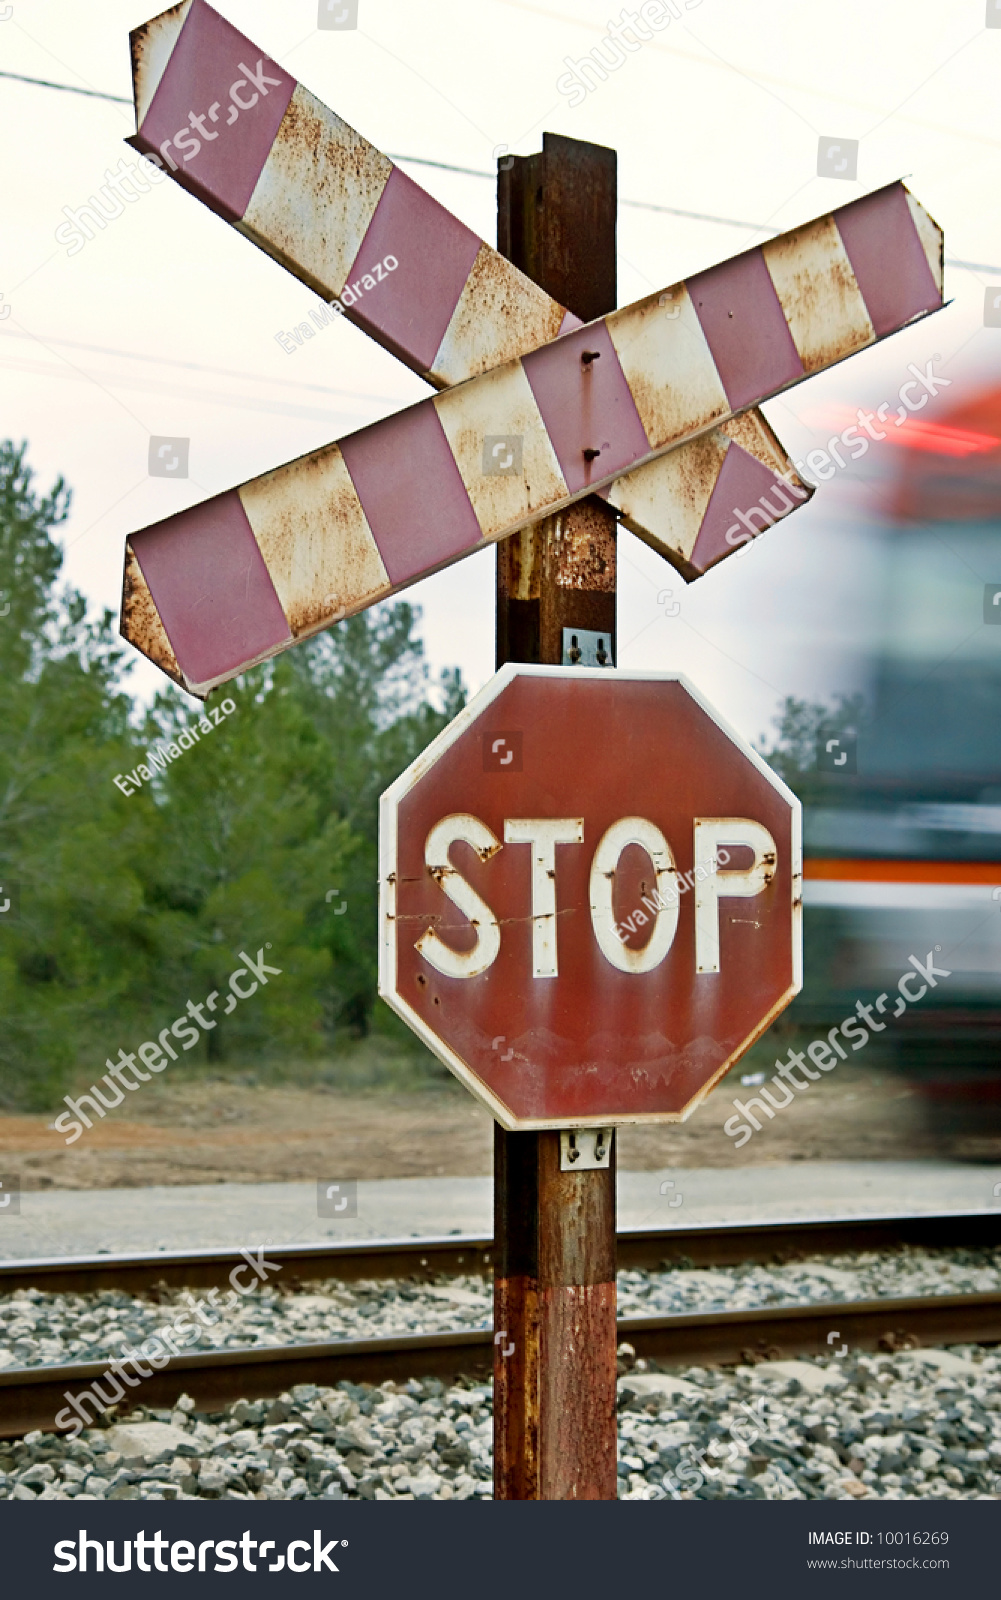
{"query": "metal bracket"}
{"type": "Point", "coordinates": [585, 1149]}
{"type": "Point", "coordinates": [584, 648]}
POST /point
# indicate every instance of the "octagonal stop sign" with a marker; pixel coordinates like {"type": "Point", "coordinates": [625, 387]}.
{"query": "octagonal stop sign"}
{"type": "Point", "coordinates": [590, 897]}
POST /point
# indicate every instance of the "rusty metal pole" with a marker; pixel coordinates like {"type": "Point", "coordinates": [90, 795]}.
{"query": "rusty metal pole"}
{"type": "Point", "coordinates": [554, 1232]}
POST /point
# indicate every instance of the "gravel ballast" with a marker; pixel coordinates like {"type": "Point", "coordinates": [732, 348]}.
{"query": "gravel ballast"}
{"type": "Point", "coordinates": [915, 1425]}
{"type": "Point", "coordinates": [38, 1329]}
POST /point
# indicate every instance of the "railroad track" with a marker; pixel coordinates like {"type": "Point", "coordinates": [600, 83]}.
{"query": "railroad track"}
{"type": "Point", "coordinates": [30, 1397]}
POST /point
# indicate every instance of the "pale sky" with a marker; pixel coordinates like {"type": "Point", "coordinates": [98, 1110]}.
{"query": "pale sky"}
{"type": "Point", "coordinates": [165, 323]}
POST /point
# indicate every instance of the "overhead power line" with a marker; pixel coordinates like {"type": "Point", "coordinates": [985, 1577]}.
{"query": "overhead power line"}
{"type": "Point", "coordinates": [478, 172]}
{"type": "Point", "coordinates": [67, 88]}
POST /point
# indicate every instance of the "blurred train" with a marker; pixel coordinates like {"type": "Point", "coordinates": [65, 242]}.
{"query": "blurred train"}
{"type": "Point", "coordinates": [903, 856]}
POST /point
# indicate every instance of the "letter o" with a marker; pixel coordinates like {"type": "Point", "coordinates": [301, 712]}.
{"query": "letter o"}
{"type": "Point", "coordinates": [386, 260]}
{"type": "Point", "coordinates": [633, 830]}
{"type": "Point", "coordinates": [231, 704]}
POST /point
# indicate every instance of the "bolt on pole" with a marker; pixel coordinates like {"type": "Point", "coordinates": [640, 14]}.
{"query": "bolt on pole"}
{"type": "Point", "coordinates": [554, 1231]}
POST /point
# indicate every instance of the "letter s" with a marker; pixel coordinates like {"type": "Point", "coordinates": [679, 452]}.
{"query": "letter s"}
{"type": "Point", "coordinates": [461, 963]}
{"type": "Point", "coordinates": [227, 1549]}
{"type": "Point", "coordinates": [65, 1551]}
{"type": "Point", "coordinates": [64, 1122]}
{"type": "Point", "coordinates": [185, 1031]}
{"type": "Point", "coordinates": [185, 141]}
{"type": "Point", "coordinates": [72, 237]}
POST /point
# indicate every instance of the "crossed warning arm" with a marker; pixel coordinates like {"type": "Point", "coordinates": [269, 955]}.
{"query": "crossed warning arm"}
{"type": "Point", "coordinates": [651, 406]}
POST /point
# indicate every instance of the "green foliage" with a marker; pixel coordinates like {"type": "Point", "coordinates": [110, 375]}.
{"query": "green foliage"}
{"type": "Point", "coordinates": [800, 726]}
{"type": "Point", "coordinates": [132, 905]}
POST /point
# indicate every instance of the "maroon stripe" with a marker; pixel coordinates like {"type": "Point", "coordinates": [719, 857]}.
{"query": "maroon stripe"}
{"type": "Point", "coordinates": [742, 484]}
{"type": "Point", "coordinates": [203, 71]}
{"type": "Point", "coordinates": [586, 405]}
{"type": "Point", "coordinates": [887, 258]}
{"type": "Point", "coordinates": [745, 328]}
{"type": "Point", "coordinates": [210, 585]}
{"type": "Point", "coordinates": [408, 309]}
{"type": "Point", "coordinates": [409, 485]}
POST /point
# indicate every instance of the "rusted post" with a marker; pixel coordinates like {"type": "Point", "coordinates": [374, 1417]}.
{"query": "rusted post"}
{"type": "Point", "coordinates": [554, 1295]}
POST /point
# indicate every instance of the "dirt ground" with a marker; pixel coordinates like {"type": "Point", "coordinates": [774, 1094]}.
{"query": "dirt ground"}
{"type": "Point", "coordinates": [226, 1131]}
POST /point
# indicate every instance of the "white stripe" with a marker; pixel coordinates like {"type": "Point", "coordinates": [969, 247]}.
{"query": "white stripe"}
{"type": "Point", "coordinates": [845, 894]}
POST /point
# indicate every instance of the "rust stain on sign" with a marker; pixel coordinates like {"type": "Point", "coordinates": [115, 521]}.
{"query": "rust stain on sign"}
{"type": "Point", "coordinates": [316, 196]}
{"type": "Point", "coordinates": [819, 294]}
{"type": "Point", "coordinates": [141, 623]}
{"type": "Point", "coordinates": [583, 542]}
{"type": "Point", "coordinates": [316, 541]}
{"type": "Point", "coordinates": [151, 46]}
{"type": "Point", "coordinates": [500, 314]}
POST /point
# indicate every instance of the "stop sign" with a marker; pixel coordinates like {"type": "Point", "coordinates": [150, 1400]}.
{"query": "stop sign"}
{"type": "Point", "coordinates": [590, 897]}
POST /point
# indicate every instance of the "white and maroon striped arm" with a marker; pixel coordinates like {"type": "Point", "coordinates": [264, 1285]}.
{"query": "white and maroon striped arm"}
{"type": "Point", "coordinates": [316, 196]}
{"type": "Point", "coordinates": [311, 192]}
{"type": "Point", "coordinates": [242, 576]}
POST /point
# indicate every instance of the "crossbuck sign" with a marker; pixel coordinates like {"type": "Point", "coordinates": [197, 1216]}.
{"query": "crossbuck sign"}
{"type": "Point", "coordinates": [652, 406]}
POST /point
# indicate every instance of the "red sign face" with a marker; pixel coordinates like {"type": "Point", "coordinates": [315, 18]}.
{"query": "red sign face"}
{"type": "Point", "coordinates": [590, 897]}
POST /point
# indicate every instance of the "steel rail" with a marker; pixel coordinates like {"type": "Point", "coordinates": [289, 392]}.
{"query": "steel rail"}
{"type": "Point", "coordinates": [30, 1397]}
{"type": "Point", "coordinates": [704, 1244]}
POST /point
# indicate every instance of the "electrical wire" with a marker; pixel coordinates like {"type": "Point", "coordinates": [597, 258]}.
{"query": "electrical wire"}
{"type": "Point", "coordinates": [478, 172]}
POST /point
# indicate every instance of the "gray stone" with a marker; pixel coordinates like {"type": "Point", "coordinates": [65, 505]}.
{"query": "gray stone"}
{"type": "Point", "coordinates": [145, 1440]}
{"type": "Point", "coordinates": [647, 1383]}
{"type": "Point", "coordinates": [423, 1488]}
{"type": "Point", "coordinates": [945, 1362]}
{"type": "Point", "coordinates": [814, 1379]}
